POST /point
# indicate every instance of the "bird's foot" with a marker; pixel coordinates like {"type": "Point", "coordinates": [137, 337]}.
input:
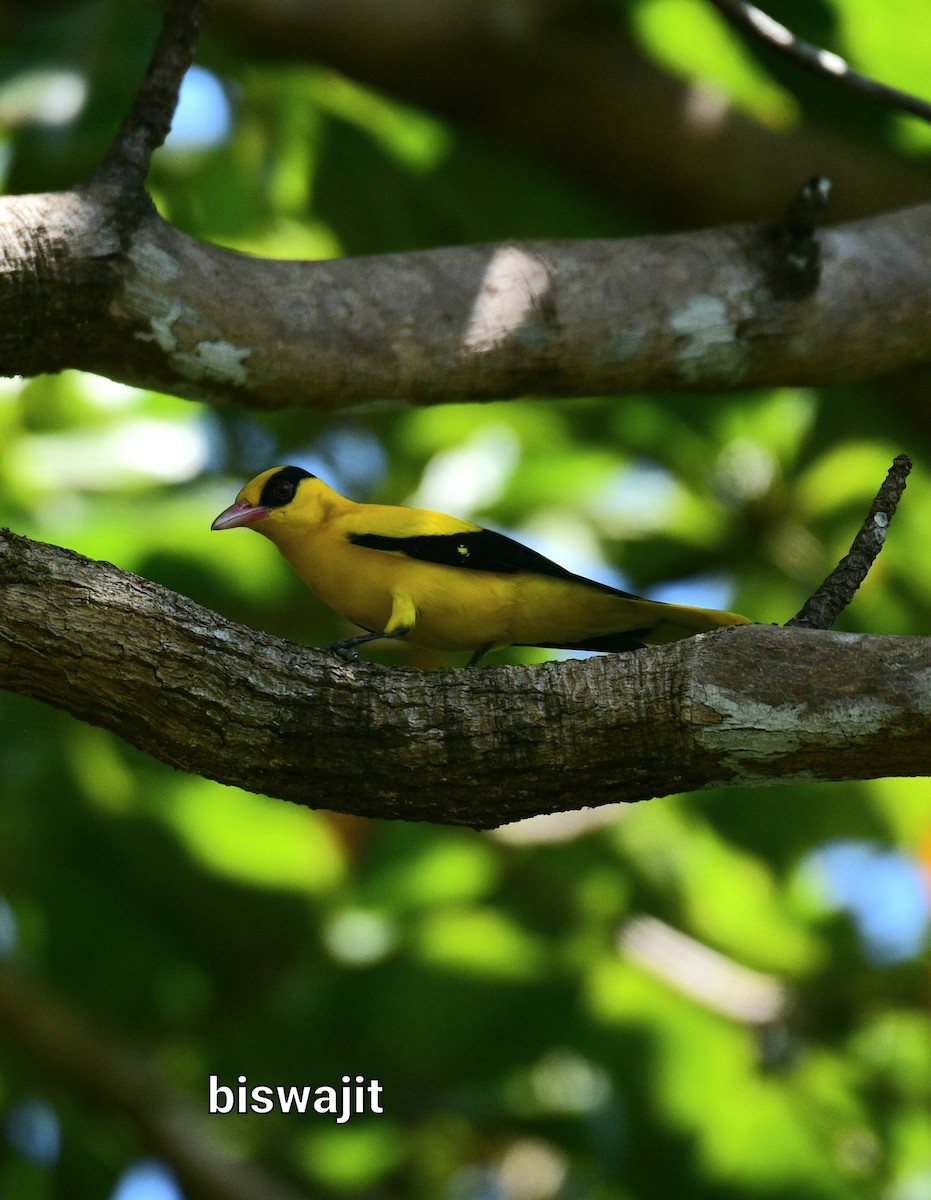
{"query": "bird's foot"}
{"type": "Point", "coordinates": [345, 650]}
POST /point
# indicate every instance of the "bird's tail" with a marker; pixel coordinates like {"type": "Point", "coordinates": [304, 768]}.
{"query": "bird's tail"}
{"type": "Point", "coordinates": [662, 623]}
{"type": "Point", "coordinates": [677, 621]}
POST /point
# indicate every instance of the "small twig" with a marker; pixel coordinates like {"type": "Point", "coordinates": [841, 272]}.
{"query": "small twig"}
{"type": "Point", "coordinates": [806, 208]}
{"type": "Point", "coordinates": [797, 269]}
{"type": "Point", "coordinates": [126, 163]}
{"type": "Point", "coordinates": [823, 62]}
{"type": "Point", "coordinates": [822, 609]}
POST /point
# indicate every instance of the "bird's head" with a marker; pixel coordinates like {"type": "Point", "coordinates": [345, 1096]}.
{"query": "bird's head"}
{"type": "Point", "coordinates": [264, 501]}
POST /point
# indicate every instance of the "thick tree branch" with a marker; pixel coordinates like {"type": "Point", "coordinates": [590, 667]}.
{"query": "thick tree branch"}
{"type": "Point", "coordinates": [92, 278]}
{"type": "Point", "coordinates": [683, 312]}
{"type": "Point", "coordinates": [750, 706]}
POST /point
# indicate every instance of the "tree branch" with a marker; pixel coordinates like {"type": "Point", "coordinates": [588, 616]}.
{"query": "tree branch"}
{"type": "Point", "coordinates": [761, 27]}
{"type": "Point", "coordinates": [564, 82]}
{"type": "Point", "coordinates": [822, 609]}
{"type": "Point", "coordinates": [108, 1072]}
{"type": "Point", "coordinates": [750, 706]}
{"type": "Point", "coordinates": [92, 278]}
{"type": "Point", "coordinates": [684, 312]}
{"type": "Point", "coordinates": [126, 163]}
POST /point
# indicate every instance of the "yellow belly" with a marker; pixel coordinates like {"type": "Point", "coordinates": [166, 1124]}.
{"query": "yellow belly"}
{"type": "Point", "coordinates": [455, 609]}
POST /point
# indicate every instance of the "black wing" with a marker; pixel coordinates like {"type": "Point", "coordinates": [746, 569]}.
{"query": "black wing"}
{"type": "Point", "coordinates": [481, 550]}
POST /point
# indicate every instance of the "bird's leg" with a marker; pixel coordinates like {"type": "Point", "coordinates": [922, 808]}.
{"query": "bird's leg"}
{"type": "Point", "coordinates": [478, 655]}
{"type": "Point", "coordinates": [347, 647]}
{"type": "Point", "coordinates": [400, 622]}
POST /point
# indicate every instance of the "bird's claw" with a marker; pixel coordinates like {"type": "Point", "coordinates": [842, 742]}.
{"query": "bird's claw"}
{"type": "Point", "coordinates": [346, 653]}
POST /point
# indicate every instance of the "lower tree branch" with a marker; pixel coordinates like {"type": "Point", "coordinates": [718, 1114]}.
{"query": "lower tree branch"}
{"type": "Point", "coordinates": [751, 706]}
{"type": "Point", "coordinates": [101, 1068]}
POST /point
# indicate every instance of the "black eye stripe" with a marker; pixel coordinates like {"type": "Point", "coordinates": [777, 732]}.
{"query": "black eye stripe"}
{"type": "Point", "coordinates": [282, 486]}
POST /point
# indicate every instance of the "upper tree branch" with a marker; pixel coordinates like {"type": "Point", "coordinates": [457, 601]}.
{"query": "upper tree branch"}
{"type": "Point", "coordinates": [754, 705]}
{"type": "Point", "coordinates": [565, 82]}
{"type": "Point", "coordinates": [683, 312]}
{"type": "Point", "coordinates": [759, 25]}
{"type": "Point", "coordinates": [92, 278]}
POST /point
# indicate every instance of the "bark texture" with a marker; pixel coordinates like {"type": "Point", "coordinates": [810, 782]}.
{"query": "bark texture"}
{"type": "Point", "coordinates": [750, 706]}
{"type": "Point", "coordinates": [90, 281]}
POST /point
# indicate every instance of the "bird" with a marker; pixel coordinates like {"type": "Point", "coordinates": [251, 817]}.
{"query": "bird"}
{"type": "Point", "coordinates": [441, 583]}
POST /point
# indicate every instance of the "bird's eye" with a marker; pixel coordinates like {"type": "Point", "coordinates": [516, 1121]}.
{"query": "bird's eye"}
{"type": "Point", "coordinates": [283, 490]}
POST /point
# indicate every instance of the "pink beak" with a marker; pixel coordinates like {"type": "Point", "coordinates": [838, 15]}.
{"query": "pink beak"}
{"type": "Point", "coordinates": [240, 513]}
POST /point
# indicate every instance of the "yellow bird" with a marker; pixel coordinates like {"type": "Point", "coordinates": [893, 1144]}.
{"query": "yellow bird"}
{"type": "Point", "coordinates": [442, 583]}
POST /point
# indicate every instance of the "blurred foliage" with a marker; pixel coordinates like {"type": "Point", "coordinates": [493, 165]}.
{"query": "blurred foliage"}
{"type": "Point", "coordinates": [480, 978]}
